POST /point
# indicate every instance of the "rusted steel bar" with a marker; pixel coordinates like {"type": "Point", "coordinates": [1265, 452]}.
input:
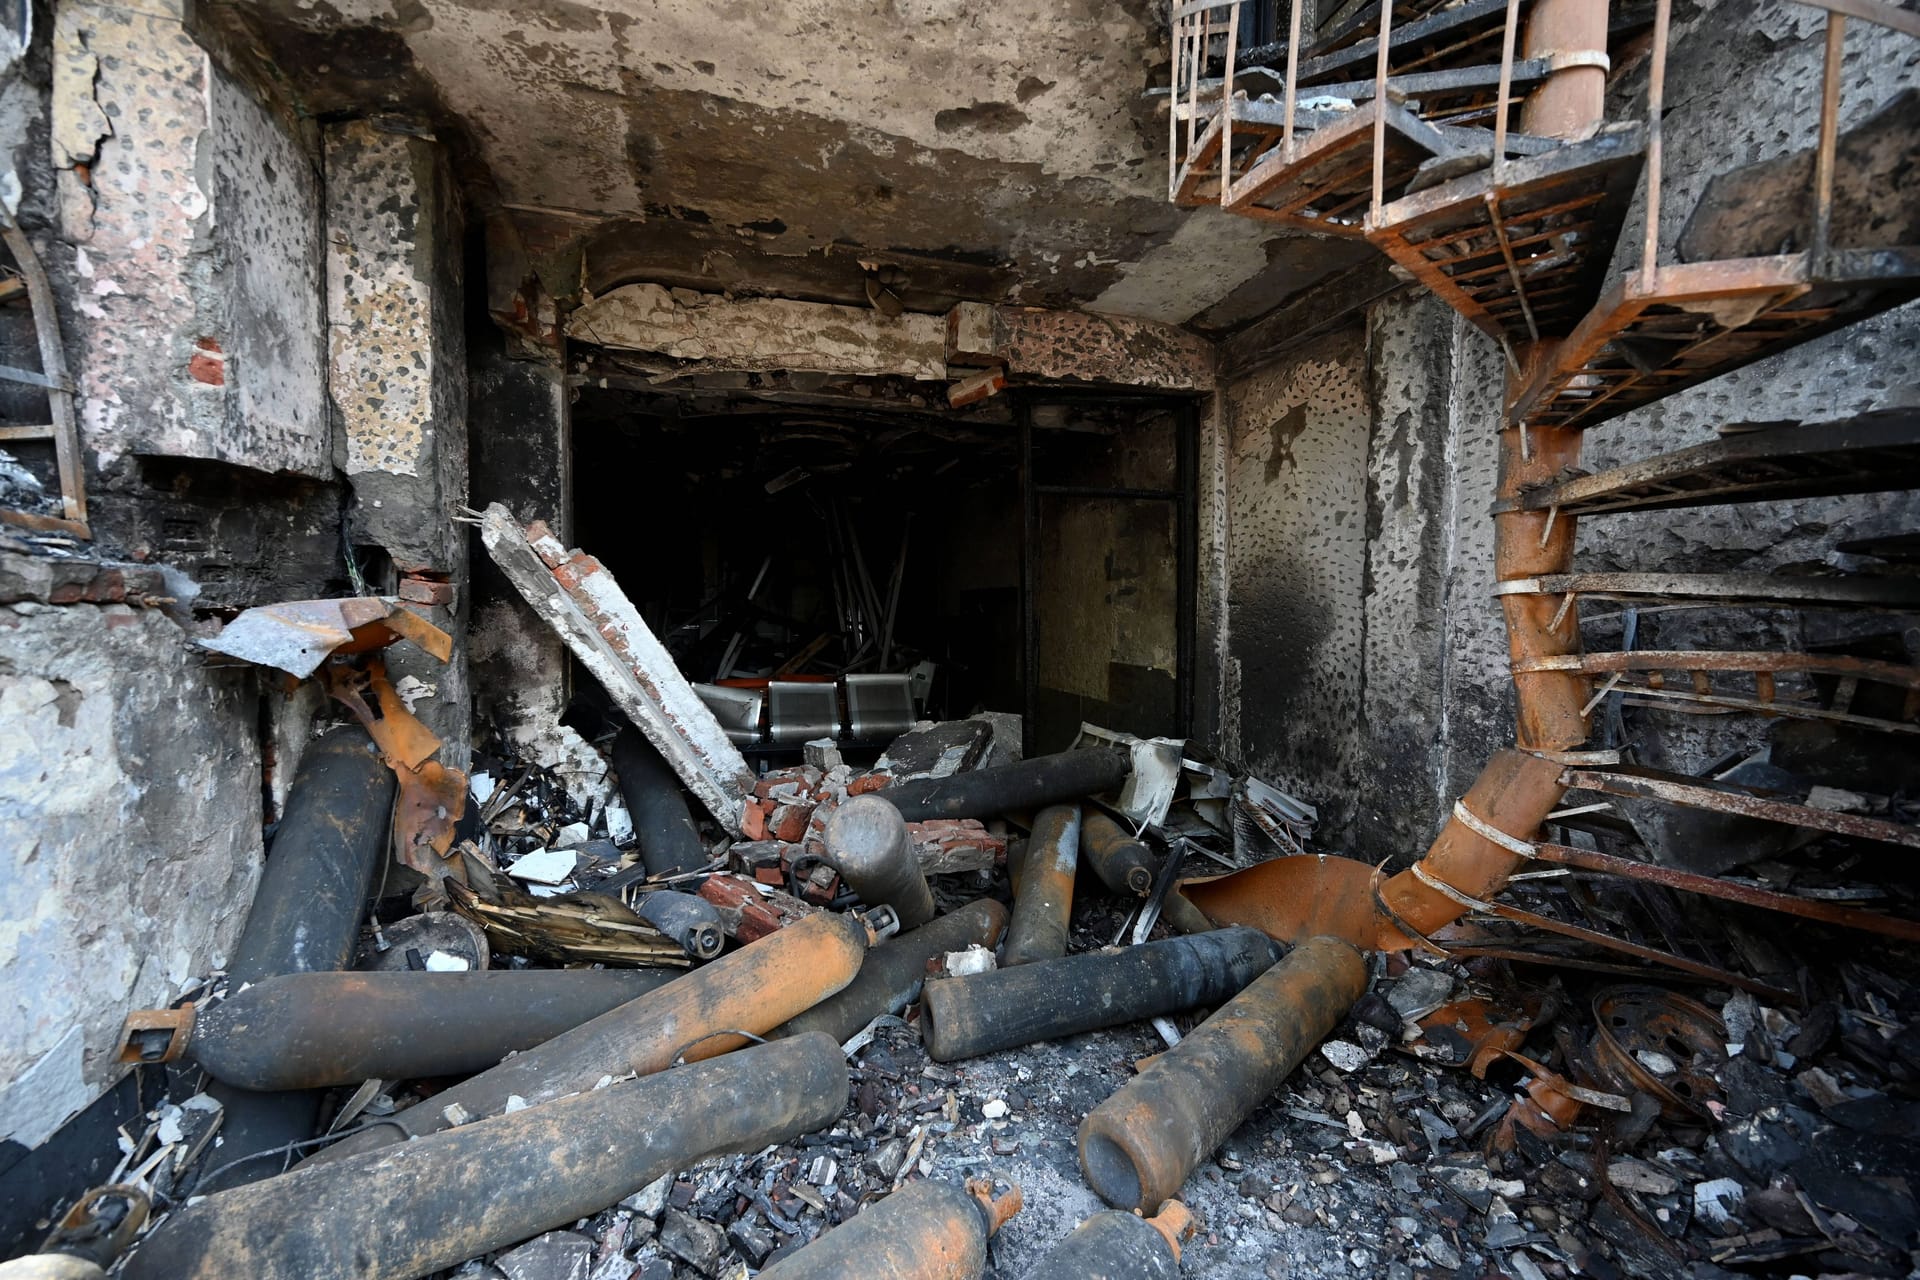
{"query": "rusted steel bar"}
{"type": "Point", "coordinates": [892, 976]}
{"type": "Point", "coordinates": [986, 1012]}
{"type": "Point", "coordinates": [1137, 1147]}
{"type": "Point", "coordinates": [1882, 12]}
{"type": "Point", "coordinates": [1292, 91]}
{"type": "Point", "coordinates": [305, 917]}
{"type": "Point", "coordinates": [1044, 903]}
{"type": "Point", "coordinates": [1729, 891]}
{"type": "Point", "coordinates": [1826, 664]}
{"type": "Point", "coordinates": [1656, 107]}
{"type": "Point", "coordinates": [1120, 1246]}
{"type": "Point", "coordinates": [988, 793]}
{"type": "Point", "coordinates": [691, 921]}
{"type": "Point", "coordinates": [669, 844]}
{"type": "Point", "coordinates": [925, 1231]}
{"type": "Point", "coordinates": [1836, 47]}
{"type": "Point", "coordinates": [1121, 860]}
{"type": "Point", "coordinates": [1694, 793]}
{"type": "Point", "coordinates": [439, 1200]}
{"type": "Point", "coordinates": [699, 1015]}
{"type": "Point", "coordinates": [1512, 797]}
{"type": "Point", "coordinates": [1611, 943]}
{"type": "Point", "coordinates": [867, 843]}
{"type": "Point", "coordinates": [1380, 111]}
{"type": "Point", "coordinates": [317, 1030]}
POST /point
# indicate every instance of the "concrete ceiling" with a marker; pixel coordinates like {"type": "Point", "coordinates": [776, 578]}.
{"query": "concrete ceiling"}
{"type": "Point", "coordinates": [997, 152]}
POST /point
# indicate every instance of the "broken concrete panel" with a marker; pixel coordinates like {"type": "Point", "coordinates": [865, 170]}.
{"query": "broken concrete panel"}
{"type": "Point", "coordinates": [1210, 253]}
{"type": "Point", "coordinates": [1071, 346]}
{"type": "Point", "coordinates": [192, 216]}
{"type": "Point", "coordinates": [579, 599]}
{"type": "Point", "coordinates": [130, 817]}
{"type": "Point", "coordinates": [395, 339]}
{"type": "Point", "coordinates": [763, 333]}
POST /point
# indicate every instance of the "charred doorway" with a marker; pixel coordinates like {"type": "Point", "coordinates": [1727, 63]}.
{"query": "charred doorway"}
{"type": "Point", "coordinates": [1032, 555]}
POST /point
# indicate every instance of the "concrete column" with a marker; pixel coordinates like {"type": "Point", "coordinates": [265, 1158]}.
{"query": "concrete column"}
{"type": "Point", "coordinates": [396, 347]}
{"type": "Point", "coordinates": [522, 456]}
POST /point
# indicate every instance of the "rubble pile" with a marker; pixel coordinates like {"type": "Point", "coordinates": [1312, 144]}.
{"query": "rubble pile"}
{"type": "Point", "coordinates": [957, 1014]}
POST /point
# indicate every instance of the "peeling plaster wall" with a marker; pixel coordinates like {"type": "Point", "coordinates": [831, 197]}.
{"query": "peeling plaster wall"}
{"type": "Point", "coordinates": [190, 220]}
{"type": "Point", "coordinates": [132, 834]}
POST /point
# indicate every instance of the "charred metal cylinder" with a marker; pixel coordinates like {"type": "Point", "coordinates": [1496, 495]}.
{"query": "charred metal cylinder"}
{"type": "Point", "coordinates": [1182, 916]}
{"type": "Point", "coordinates": [987, 793]}
{"type": "Point", "coordinates": [692, 922]}
{"type": "Point", "coordinates": [305, 916]}
{"type": "Point", "coordinates": [319, 870]}
{"type": "Point", "coordinates": [1119, 1246]}
{"type": "Point", "coordinates": [1137, 1147]}
{"type": "Point", "coordinates": [1044, 902]}
{"type": "Point", "coordinates": [894, 971]}
{"type": "Point", "coordinates": [315, 1030]}
{"type": "Point", "coordinates": [669, 843]}
{"type": "Point", "coordinates": [1121, 860]}
{"type": "Point", "coordinates": [698, 1015]}
{"type": "Point", "coordinates": [867, 843]}
{"type": "Point", "coordinates": [440, 1200]}
{"type": "Point", "coordinates": [986, 1012]}
{"type": "Point", "coordinates": [924, 1231]}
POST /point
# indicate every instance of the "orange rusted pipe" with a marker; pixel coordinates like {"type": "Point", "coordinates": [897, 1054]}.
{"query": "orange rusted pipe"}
{"type": "Point", "coordinates": [926, 1231]}
{"type": "Point", "coordinates": [753, 990]}
{"type": "Point", "coordinates": [1137, 1147]}
{"type": "Point", "coordinates": [1513, 794]}
{"type": "Point", "coordinates": [1571, 102]}
{"type": "Point", "coordinates": [1043, 902]}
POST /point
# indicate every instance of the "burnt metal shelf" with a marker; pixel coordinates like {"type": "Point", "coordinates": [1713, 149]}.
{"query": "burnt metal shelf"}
{"type": "Point", "coordinates": [1872, 453]}
{"type": "Point", "coordinates": [1326, 181]}
{"type": "Point", "coordinates": [1641, 676]}
{"type": "Point", "coordinates": [1725, 797]}
{"type": "Point", "coordinates": [1519, 248]}
{"type": "Point", "coordinates": [1752, 590]}
{"type": "Point", "coordinates": [1658, 332]}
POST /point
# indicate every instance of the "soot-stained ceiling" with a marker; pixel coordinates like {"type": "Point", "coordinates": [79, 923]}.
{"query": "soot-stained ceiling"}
{"type": "Point", "coordinates": [991, 152]}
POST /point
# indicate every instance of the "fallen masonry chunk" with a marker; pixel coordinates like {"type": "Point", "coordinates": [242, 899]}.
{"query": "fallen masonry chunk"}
{"type": "Point", "coordinates": [1006, 1008]}
{"type": "Point", "coordinates": [408, 1210]}
{"type": "Point", "coordinates": [1122, 861]}
{"type": "Point", "coordinates": [926, 1231]}
{"type": "Point", "coordinates": [317, 1030]}
{"type": "Point", "coordinates": [692, 922]}
{"type": "Point", "coordinates": [1043, 900]}
{"type": "Point", "coordinates": [867, 843]}
{"type": "Point", "coordinates": [754, 990]}
{"type": "Point", "coordinates": [1137, 1147]}
{"type": "Point", "coordinates": [988, 793]}
{"type": "Point", "coordinates": [892, 975]}
{"type": "Point", "coordinates": [557, 1255]}
{"type": "Point", "coordinates": [1120, 1246]}
{"type": "Point", "coordinates": [698, 1244]}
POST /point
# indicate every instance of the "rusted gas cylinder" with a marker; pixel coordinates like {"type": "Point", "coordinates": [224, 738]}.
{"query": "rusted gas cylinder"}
{"type": "Point", "coordinates": [867, 843]}
{"type": "Point", "coordinates": [1119, 1246]}
{"type": "Point", "coordinates": [315, 1030]}
{"type": "Point", "coordinates": [691, 921]}
{"type": "Point", "coordinates": [1137, 1147]}
{"type": "Point", "coordinates": [1181, 916]}
{"type": "Point", "coordinates": [893, 973]}
{"type": "Point", "coordinates": [1122, 861]}
{"type": "Point", "coordinates": [1044, 902]}
{"type": "Point", "coordinates": [988, 793]}
{"type": "Point", "coordinates": [924, 1231]}
{"type": "Point", "coordinates": [754, 989]}
{"type": "Point", "coordinates": [985, 1012]}
{"type": "Point", "coordinates": [439, 1200]}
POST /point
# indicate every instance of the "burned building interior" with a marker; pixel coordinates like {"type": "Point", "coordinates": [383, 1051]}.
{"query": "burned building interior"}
{"type": "Point", "coordinates": [1245, 638]}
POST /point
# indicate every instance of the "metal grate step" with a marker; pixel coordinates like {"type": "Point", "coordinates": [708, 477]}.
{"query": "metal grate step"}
{"type": "Point", "coordinates": [1873, 453]}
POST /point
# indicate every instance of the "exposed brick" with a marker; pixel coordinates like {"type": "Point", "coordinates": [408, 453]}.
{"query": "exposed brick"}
{"type": "Point", "coordinates": [423, 591]}
{"type": "Point", "coordinates": [789, 822]}
{"type": "Point", "coordinates": [753, 821]}
{"type": "Point", "coordinates": [207, 364]}
{"type": "Point", "coordinates": [869, 782]}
